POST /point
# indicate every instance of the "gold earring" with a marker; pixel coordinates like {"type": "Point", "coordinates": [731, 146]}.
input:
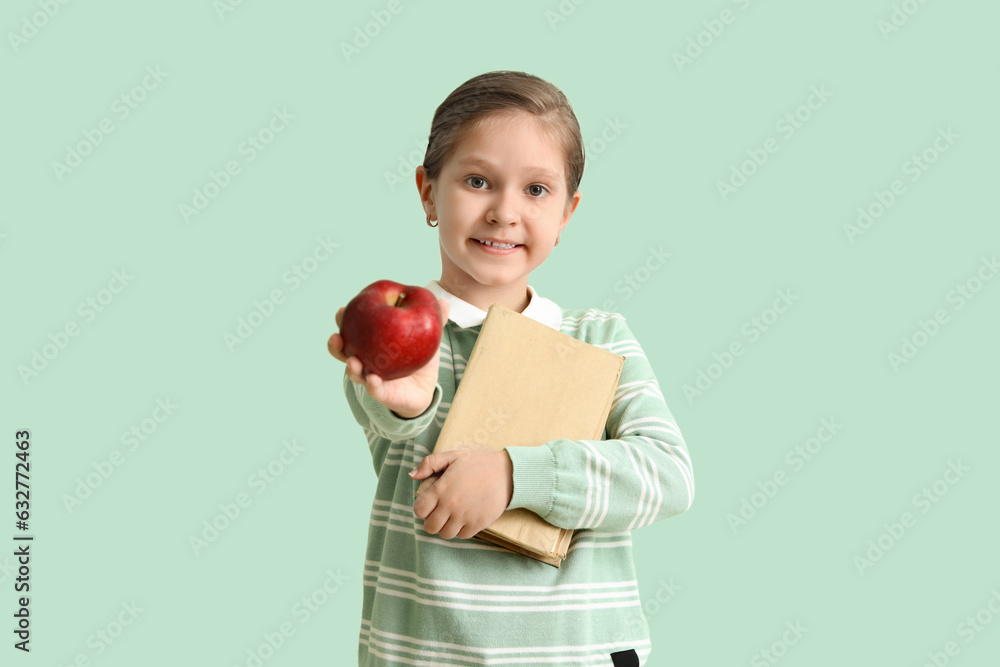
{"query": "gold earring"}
{"type": "Point", "coordinates": [557, 241]}
{"type": "Point", "coordinates": [429, 221]}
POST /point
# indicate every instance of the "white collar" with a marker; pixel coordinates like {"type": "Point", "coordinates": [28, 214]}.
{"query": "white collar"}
{"type": "Point", "coordinates": [465, 315]}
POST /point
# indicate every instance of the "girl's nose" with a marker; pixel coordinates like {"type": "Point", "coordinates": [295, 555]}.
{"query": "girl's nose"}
{"type": "Point", "coordinates": [505, 208]}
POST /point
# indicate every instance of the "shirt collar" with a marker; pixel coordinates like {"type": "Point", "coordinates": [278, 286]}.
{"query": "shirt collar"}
{"type": "Point", "coordinates": [465, 315]}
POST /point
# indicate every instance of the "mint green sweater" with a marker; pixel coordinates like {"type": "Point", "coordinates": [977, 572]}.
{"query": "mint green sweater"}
{"type": "Point", "coordinates": [431, 601]}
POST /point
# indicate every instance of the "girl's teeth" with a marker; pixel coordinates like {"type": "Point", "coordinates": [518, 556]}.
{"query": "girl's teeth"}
{"type": "Point", "coordinates": [497, 245]}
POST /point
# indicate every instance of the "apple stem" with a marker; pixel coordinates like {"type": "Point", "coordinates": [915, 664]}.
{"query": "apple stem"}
{"type": "Point", "coordinates": [399, 299]}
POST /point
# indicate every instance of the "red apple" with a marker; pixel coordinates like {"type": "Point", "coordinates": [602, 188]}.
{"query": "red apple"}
{"type": "Point", "coordinates": [393, 329]}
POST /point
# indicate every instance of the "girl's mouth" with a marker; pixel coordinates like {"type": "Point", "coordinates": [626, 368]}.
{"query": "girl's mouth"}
{"type": "Point", "coordinates": [497, 248]}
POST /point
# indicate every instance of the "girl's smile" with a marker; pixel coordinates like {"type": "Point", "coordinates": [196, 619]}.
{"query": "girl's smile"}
{"type": "Point", "coordinates": [497, 247]}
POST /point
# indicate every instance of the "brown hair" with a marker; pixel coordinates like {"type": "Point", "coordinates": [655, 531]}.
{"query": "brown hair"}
{"type": "Point", "coordinates": [495, 96]}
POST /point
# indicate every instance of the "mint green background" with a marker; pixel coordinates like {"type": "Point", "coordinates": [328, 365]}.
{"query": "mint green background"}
{"type": "Point", "coordinates": [655, 185]}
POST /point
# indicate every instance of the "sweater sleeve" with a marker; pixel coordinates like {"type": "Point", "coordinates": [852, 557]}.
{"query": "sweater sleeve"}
{"type": "Point", "coordinates": [641, 475]}
{"type": "Point", "coordinates": [380, 425]}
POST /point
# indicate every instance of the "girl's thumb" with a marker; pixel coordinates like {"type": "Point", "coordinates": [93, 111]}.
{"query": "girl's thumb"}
{"type": "Point", "coordinates": [432, 463]}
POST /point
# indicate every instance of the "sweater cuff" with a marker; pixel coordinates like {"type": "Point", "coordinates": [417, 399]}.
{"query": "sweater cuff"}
{"type": "Point", "coordinates": [534, 478]}
{"type": "Point", "coordinates": [398, 428]}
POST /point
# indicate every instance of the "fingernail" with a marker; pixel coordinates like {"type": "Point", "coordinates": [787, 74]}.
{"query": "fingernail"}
{"type": "Point", "coordinates": [413, 472]}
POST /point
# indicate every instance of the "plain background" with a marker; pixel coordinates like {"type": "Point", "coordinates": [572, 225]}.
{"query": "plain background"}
{"type": "Point", "coordinates": [661, 134]}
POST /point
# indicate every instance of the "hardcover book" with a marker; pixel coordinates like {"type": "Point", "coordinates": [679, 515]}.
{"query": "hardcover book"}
{"type": "Point", "coordinates": [526, 384]}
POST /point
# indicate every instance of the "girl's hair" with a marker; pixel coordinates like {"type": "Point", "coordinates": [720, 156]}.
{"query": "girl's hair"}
{"type": "Point", "coordinates": [495, 96]}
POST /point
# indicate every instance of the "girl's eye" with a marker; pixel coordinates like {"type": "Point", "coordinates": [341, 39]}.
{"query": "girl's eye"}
{"type": "Point", "coordinates": [474, 182]}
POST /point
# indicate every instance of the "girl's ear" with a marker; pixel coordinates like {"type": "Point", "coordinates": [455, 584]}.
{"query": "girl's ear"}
{"type": "Point", "coordinates": [426, 189]}
{"type": "Point", "coordinates": [571, 205]}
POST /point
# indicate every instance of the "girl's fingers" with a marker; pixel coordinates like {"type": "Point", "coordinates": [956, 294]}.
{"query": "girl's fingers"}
{"type": "Point", "coordinates": [335, 344]}
{"type": "Point", "coordinates": [354, 370]}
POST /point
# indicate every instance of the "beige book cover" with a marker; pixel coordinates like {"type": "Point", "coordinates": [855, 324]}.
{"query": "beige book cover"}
{"type": "Point", "coordinates": [526, 384]}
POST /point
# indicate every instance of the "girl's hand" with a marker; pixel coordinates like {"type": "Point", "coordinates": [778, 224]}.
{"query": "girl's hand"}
{"type": "Point", "coordinates": [407, 396]}
{"type": "Point", "coordinates": [474, 489]}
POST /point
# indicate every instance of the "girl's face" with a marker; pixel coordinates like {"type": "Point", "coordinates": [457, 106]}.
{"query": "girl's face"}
{"type": "Point", "coordinates": [504, 182]}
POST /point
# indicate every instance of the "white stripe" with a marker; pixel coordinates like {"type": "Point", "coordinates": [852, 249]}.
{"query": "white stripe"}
{"type": "Point", "coordinates": [640, 384]}
{"type": "Point", "coordinates": [598, 485]}
{"type": "Point", "coordinates": [670, 448]}
{"type": "Point", "coordinates": [436, 540]}
{"type": "Point", "coordinates": [452, 583]}
{"type": "Point", "coordinates": [640, 392]}
{"type": "Point", "coordinates": [427, 592]}
{"type": "Point", "coordinates": [518, 655]}
{"type": "Point", "coordinates": [638, 473]}
{"type": "Point", "coordinates": [605, 485]}
{"type": "Point", "coordinates": [654, 420]}
{"type": "Point", "coordinates": [673, 451]}
{"type": "Point", "coordinates": [509, 609]}
{"type": "Point", "coordinates": [654, 484]}
{"type": "Point", "coordinates": [636, 383]}
{"type": "Point", "coordinates": [577, 661]}
{"type": "Point", "coordinates": [402, 514]}
{"type": "Point", "coordinates": [593, 315]}
{"type": "Point", "coordinates": [617, 348]}
{"type": "Point", "coordinates": [590, 488]}
{"type": "Point", "coordinates": [686, 473]}
{"type": "Point", "coordinates": [654, 509]}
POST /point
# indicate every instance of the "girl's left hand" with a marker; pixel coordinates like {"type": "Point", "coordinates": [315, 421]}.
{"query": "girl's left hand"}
{"type": "Point", "coordinates": [474, 489]}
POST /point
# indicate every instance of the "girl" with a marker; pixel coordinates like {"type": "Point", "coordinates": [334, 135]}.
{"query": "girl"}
{"type": "Point", "coordinates": [500, 177]}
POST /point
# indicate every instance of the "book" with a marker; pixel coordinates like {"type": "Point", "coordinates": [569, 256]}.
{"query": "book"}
{"type": "Point", "coordinates": [526, 384]}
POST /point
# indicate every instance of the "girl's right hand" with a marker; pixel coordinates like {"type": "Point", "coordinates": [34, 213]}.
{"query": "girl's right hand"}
{"type": "Point", "coordinates": [407, 396]}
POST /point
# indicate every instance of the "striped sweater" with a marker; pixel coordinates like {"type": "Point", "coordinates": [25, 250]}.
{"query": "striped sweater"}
{"type": "Point", "coordinates": [431, 601]}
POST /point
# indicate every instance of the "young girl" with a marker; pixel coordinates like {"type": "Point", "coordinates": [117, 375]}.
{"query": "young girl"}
{"type": "Point", "coordinates": [500, 176]}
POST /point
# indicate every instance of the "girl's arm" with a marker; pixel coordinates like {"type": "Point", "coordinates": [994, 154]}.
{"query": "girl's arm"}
{"type": "Point", "coordinates": [381, 426]}
{"type": "Point", "coordinates": [641, 476]}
